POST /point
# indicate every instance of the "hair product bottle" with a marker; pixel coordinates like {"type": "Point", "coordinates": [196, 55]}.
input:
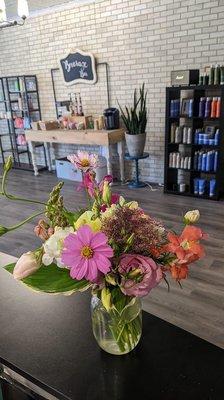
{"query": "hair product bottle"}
{"type": "Point", "coordinates": [218, 107]}
{"type": "Point", "coordinates": [214, 107]}
{"type": "Point", "coordinates": [211, 75]}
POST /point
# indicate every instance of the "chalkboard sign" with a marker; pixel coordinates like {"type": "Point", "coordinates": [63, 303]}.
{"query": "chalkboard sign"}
{"type": "Point", "coordinates": [78, 67]}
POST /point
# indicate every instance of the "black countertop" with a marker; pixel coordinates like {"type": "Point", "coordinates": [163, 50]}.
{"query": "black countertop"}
{"type": "Point", "coordinates": [48, 340]}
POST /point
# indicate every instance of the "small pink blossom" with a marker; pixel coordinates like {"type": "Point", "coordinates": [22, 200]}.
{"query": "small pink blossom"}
{"type": "Point", "coordinates": [88, 183]}
{"type": "Point", "coordinates": [139, 274]}
{"type": "Point", "coordinates": [87, 254]}
{"type": "Point", "coordinates": [84, 161]}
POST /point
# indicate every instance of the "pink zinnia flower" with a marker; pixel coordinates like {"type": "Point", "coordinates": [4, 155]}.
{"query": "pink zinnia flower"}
{"type": "Point", "coordinates": [84, 161]}
{"type": "Point", "coordinates": [87, 254]}
{"type": "Point", "coordinates": [139, 274]}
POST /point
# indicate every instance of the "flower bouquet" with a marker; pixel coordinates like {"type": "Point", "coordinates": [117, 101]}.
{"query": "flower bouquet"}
{"type": "Point", "coordinates": [112, 247]}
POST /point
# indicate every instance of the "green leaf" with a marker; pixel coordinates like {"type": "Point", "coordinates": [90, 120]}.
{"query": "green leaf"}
{"type": "Point", "coordinates": [72, 217]}
{"type": "Point", "coordinates": [130, 311]}
{"type": "Point", "coordinates": [119, 300]}
{"type": "Point", "coordinates": [52, 279]}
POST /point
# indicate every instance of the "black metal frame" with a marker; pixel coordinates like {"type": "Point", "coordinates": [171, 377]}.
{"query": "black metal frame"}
{"type": "Point", "coordinates": [107, 84]}
{"type": "Point", "coordinates": [171, 174]}
{"type": "Point", "coordinates": [14, 150]}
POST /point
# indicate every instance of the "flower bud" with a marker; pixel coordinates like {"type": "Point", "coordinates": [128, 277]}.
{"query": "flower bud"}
{"type": "Point", "coordinates": [106, 298]}
{"type": "Point", "coordinates": [25, 266]}
{"type": "Point", "coordinates": [3, 230]}
{"type": "Point", "coordinates": [8, 165]}
{"type": "Point", "coordinates": [121, 201]}
{"type": "Point", "coordinates": [191, 217]}
{"type": "Point", "coordinates": [110, 278]}
{"type": "Point", "coordinates": [135, 273]}
{"type": "Point", "coordinates": [106, 196]}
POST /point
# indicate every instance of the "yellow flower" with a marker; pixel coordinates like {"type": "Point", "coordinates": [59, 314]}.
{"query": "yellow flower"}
{"type": "Point", "coordinates": [191, 217]}
{"type": "Point", "coordinates": [86, 219]}
{"type": "Point", "coordinates": [132, 205]}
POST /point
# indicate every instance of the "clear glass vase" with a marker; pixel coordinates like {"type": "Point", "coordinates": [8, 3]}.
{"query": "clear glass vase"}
{"type": "Point", "coordinates": [117, 333]}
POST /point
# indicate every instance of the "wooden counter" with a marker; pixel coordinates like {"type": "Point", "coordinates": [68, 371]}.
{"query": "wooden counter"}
{"type": "Point", "coordinates": [88, 137]}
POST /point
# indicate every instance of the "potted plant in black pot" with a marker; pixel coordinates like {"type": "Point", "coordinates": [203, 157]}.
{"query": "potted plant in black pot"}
{"type": "Point", "coordinates": [135, 120]}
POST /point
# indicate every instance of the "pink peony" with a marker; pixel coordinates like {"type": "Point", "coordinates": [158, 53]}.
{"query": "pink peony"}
{"type": "Point", "coordinates": [139, 274]}
{"type": "Point", "coordinates": [87, 254]}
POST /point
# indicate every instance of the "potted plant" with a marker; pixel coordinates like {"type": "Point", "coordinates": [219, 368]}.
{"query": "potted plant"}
{"type": "Point", "coordinates": [135, 120]}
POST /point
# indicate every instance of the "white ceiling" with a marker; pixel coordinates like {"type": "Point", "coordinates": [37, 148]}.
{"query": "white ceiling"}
{"type": "Point", "coordinates": [34, 5]}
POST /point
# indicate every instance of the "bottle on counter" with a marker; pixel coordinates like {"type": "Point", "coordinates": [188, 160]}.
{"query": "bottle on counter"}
{"type": "Point", "coordinates": [218, 107]}
{"type": "Point", "coordinates": [222, 75]}
{"type": "Point", "coordinates": [200, 80]}
{"type": "Point", "coordinates": [189, 135]}
{"type": "Point", "coordinates": [214, 107]}
{"type": "Point", "coordinates": [172, 133]}
{"type": "Point", "coordinates": [178, 160]}
{"type": "Point", "coordinates": [76, 106]}
{"type": "Point", "coordinates": [178, 135]}
{"type": "Point", "coordinates": [184, 134]}
{"type": "Point", "coordinates": [215, 161]}
{"type": "Point", "coordinates": [191, 108]}
{"type": "Point", "coordinates": [211, 75]}
{"type": "Point", "coordinates": [189, 163]}
{"type": "Point", "coordinates": [208, 105]}
{"type": "Point", "coordinates": [201, 112]}
{"type": "Point", "coordinates": [80, 110]}
{"type": "Point", "coordinates": [217, 75]}
{"type": "Point", "coordinates": [216, 140]}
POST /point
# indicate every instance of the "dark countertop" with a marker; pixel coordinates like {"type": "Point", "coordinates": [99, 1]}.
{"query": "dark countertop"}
{"type": "Point", "coordinates": [48, 340]}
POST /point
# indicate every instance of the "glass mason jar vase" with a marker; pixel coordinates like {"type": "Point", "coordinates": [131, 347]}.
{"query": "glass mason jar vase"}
{"type": "Point", "coordinates": [117, 333]}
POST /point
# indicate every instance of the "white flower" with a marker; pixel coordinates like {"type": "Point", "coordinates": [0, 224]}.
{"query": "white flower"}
{"type": "Point", "coordinates": [54, 245]}
{"type": "Point", "coordinates": [192, 216]}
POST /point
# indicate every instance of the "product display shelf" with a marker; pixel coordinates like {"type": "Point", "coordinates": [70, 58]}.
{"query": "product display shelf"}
{"type": "Point", "coordinates": [173, 177]}
{"type": "Point", "coordinates": [15, 97]}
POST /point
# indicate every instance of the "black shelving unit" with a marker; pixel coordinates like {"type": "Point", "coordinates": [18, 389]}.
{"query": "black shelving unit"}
{"type": "Point", "coordinates": [173, 176]}
{"type": "Point", "coordinates": [19, 101]}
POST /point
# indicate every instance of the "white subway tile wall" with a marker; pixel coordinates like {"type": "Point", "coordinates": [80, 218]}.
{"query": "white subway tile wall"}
{"type": "Point", "coordinates": [142, 41]}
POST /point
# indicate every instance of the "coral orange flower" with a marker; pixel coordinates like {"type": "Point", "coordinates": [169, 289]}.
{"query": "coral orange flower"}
{"type": "Point", "coordinates": [179, 272]}
{"type": "Point", "coordinates": [186, 247]}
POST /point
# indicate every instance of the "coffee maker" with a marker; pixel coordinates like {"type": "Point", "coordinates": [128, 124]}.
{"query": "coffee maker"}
{"type": "Point", "coordinates": [111, 118]}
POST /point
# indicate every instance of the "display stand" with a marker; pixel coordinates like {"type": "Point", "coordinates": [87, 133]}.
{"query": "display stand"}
{"type": "Point", "coordinates": [19, 101]}
{"type": "Point", "coordinates": [136, 183]}
{"type": "Point", "coordinates": [172, 175]}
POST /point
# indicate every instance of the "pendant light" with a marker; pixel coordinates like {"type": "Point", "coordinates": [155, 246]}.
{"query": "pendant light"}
{"type": "Point", "coordinates": [3, 17]}
{"type": "Point", "coordinates": [22, 10]}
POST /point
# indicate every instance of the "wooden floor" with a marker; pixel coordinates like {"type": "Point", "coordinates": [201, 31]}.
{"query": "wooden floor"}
{"type": "Point", "coordinates": [199, 306]}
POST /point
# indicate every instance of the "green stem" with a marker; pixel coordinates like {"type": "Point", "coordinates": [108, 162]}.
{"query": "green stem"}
{"type": "Point", "coordinates": [12, 228]}
{"type": "Point", "coordinates": [15, 198]}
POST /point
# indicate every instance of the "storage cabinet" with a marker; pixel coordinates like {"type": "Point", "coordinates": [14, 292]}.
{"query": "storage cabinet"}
{"type": "Point", "coordinates": [194, 141]}
{"type": "Point", "coordinates": [19, 107]}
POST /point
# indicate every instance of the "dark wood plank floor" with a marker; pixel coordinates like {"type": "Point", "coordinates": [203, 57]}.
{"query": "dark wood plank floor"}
{"type": "Point", "coordinates": [199, 306]}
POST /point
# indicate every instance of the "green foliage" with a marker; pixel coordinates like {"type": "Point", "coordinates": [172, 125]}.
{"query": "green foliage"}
{"type": "Point", "coordinates": [135, 118]}
{"type": "Point", "coordinates": [52, 279]}
{"type": "Point", "coordinates": [73, 216]}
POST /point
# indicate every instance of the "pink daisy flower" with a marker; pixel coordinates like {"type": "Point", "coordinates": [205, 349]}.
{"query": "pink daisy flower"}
{"type": "Point", "coordinates": [87, 254]}
{"type": "Point", "coordinates": [84, 161]}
